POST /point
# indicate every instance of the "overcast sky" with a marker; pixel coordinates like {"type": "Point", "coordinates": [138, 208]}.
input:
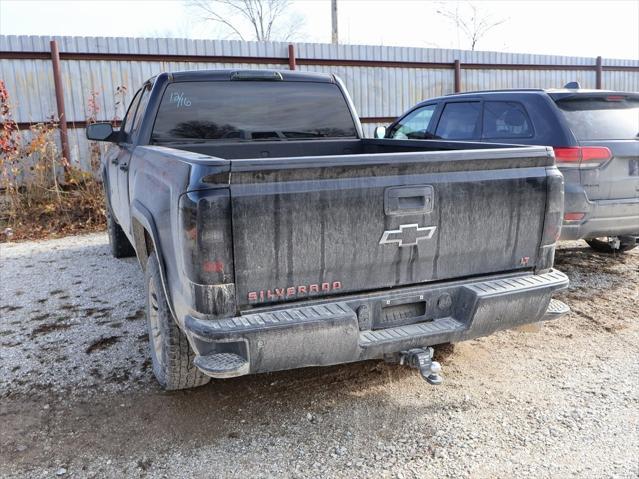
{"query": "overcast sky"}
{"type": "Point", "coordinates": [579, 28]}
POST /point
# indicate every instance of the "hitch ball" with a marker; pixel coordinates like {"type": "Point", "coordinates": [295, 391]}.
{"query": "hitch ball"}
{"type": "Point", "coordinates": [422, 359]}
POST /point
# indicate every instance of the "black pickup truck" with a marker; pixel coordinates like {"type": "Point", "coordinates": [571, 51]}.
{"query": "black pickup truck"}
{"type": "Point", "coordinates": [274, 236]}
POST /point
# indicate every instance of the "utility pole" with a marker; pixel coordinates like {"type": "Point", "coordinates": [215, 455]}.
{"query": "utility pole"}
{"type": "Point", "coordinates": [334, 38]}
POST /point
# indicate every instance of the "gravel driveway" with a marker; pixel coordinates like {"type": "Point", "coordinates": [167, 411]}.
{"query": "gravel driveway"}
{"type": "Point", "coordinates": [78, 399]}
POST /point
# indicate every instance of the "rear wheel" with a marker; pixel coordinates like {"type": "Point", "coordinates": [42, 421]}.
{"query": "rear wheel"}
{"type": "Point", "coordinates": [609, 245]}
{"type": "Point", "coordinates": [120, 245]}
{"type": "Point", "coordinates": [171, 354]}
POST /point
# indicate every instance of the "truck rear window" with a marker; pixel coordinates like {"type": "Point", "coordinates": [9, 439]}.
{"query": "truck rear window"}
{"type": "Point", "coordinates": [252, 110]}
{"type": "Point", "coordinates": [603, 118]}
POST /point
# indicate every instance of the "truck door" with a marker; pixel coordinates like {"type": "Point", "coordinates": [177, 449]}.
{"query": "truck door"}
{"type": "Point", "coordinates": [118, 156]}
{"type": "Point", "coordinates": [124, 161]}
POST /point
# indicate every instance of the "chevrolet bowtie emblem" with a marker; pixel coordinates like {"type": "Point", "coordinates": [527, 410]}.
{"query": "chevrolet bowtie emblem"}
{"type": "Point", "coordinates": [407, 235]}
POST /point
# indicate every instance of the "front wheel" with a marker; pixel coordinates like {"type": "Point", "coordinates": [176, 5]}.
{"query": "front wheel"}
{"type": "Point", "coordinates": [609, 245]}
{"type": "Point", "coordinates": [171, 354]}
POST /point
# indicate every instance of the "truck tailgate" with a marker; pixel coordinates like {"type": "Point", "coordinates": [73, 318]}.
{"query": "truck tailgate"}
{"type": "Point", "coordinates": [317, 226]}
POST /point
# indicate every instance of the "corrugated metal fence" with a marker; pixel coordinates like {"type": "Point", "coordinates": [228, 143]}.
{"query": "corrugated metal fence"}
{"type": "Point", "coordinates": [383, 81]}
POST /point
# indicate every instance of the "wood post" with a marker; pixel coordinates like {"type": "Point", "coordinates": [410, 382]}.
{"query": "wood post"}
{"type": "Point", "coordinates": [59, 98]}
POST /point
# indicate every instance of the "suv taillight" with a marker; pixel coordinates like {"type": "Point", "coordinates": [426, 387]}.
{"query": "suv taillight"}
{"type": "Point", "coordinates": [582, 156]}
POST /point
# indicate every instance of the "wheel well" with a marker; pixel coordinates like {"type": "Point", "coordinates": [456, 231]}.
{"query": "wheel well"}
{"type": "Point", "coordinates": [143, 242]}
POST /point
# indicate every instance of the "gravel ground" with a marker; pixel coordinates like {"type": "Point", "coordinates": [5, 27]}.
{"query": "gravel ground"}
{"type": "Point", "coordinates": [78, 399]}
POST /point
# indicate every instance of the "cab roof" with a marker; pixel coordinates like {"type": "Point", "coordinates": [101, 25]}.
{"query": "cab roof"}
{"type": "Point", "coordinates": [250, 75]}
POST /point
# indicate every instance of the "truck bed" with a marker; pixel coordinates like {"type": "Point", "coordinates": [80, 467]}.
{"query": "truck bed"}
{"type": "Point", "coordinates": [364, 215]}
{"type": "Point", "coordinates": [286, 149]}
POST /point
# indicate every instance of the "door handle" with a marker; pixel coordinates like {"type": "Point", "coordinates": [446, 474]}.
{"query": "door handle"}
{"type": "Point", "coordinates": [124, 167]}
{"type": "Point", "coordinates": [406, 200]}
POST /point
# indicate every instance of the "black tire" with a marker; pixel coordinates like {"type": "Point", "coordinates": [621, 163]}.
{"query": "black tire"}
{"type": "Point", "coordinates": [171, 354]}
{"type": "Point", "coordinates": [602, 246]}
{"type": "Point", "coordinates": [120, 245]}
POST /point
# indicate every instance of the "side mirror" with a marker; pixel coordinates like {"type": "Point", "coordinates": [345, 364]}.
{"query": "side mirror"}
{"type": "Point", "coordinates": [380, 132]}
{"type": "Point", "coordinates": [101, 132]}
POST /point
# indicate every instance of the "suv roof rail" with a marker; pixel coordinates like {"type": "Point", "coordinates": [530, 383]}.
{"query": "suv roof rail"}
{"type": "Point", "coordinates": [502, 90]}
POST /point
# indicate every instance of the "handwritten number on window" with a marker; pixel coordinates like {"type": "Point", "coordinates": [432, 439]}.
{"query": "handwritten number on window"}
{"type": "Point", "coordinates": [179, 99]}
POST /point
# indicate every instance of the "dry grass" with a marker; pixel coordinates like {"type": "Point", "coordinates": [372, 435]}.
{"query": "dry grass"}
{"type": "Point", "coordinates": [71, 209]}
{"type": "Point", "coordinates": [43, 195]}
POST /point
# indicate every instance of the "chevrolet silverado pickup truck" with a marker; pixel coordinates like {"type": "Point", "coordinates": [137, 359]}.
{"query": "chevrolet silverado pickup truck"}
{"type": "Point", "coordinates": [274, 236]}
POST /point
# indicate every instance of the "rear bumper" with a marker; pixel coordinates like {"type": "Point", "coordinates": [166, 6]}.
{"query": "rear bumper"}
{"type": "Point", "coordinates": [602, 218]}
{"type": "Point", "coordinates": [331, 332]}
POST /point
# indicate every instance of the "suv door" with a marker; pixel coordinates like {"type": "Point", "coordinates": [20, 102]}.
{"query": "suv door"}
{"type": "Point", "coordinates": [460, 120]}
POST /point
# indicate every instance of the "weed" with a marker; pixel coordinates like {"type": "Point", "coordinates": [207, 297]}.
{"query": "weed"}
{"type": "Point", "coordinates": [43, 193]}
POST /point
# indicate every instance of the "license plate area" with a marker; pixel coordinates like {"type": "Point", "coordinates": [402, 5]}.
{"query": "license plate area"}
{"type": "Point", "coordinates": [401, 314]}
{"type": "Point", "coordinates": [414, 308]}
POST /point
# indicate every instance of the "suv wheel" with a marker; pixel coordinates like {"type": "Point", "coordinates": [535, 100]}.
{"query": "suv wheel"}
{"type": "Point", "coordinates": [171, 354]}
{"type": "Point", "coordinates": [610, 244]}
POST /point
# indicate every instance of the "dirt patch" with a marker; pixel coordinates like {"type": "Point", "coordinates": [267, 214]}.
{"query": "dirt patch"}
{"type": "Point", "coordinates": [102, 343]}
{"type": "Point", "coordinates": [10, 308]}
{"type": "Point", "coordinates": [97, 312]}
{"type": "Point", "coordinates": [139, 314]}
{"type": "Point", "coordinates": [49, 328]}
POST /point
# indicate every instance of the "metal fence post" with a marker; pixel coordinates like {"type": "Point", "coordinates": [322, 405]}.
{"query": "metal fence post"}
{"type": "Point", "coordinates": [292, 65]}
{"type": "Point", "coordinates": [599, 73]}
{"type": "Point", "coordinates": [59, 98]}
{"type": "Point", "coordinates": [457, 76]}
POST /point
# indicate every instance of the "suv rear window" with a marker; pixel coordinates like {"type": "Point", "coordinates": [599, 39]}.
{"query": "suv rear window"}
{"type": "Point", "coordinates": [605, 118]}
{"type": "Point", "coordinates": [252, 110]}
{"type": "Point", "coordinates": [506, 119]}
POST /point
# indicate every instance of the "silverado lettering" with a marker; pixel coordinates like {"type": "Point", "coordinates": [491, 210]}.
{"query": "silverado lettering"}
{"type": "Point", "coordinates": [293, 292]}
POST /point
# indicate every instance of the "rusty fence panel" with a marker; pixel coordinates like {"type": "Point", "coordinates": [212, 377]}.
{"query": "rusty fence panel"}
{"type": "Point", "coordinates": [383, 81]}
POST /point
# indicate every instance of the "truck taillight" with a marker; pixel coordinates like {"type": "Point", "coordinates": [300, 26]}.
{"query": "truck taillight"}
{"type": "Point", "coordinates": [554, 208]}
{"type": "Point", "coordinates": [553, 220]}
{"type": "Point", "coordinates": [206, 242]}
{"type": "Point", "coordinates": [581, 156]}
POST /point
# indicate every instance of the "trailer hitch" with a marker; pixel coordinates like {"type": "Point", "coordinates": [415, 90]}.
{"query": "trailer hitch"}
{"type": "Point", "coordinates": [422, 359]}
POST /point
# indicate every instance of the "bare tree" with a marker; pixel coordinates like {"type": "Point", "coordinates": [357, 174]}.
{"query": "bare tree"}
{"type": "Point", "coordinates": [261, 20]}
{"type": "Point", "coordinates": [469, 20]}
